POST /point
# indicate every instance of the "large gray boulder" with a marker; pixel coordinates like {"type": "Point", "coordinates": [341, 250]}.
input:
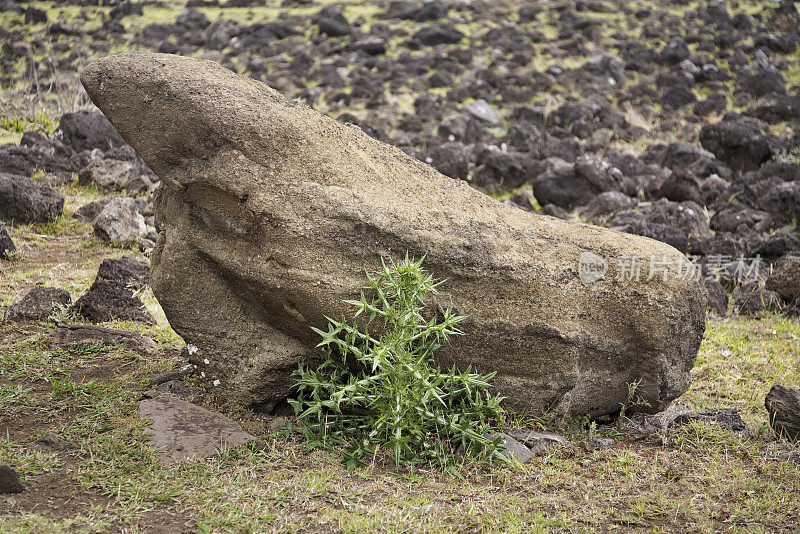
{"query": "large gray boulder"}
{"type": "Point", "coordinates": [269, 212]}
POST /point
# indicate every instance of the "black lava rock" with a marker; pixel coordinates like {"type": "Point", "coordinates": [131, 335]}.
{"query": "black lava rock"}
{"type": "Point", "coordinates": [127, 271]}
{"type": "Point", "coordinates": [9, 480]}
{"type": "Point", "coordinates": [106, 301]}
{"type": "Point", "coordinates": [738, 141]}
{"type": "Point", "coordinates": [87, 130]}
{"type": "Point", "coordinates": [37, 304]}
{"type": "Point", "coordinates": [7, 248]}
{"type": "Point", "coordinates": [23, 201]}
{"type": "Point", "coordinates": [783, 405]}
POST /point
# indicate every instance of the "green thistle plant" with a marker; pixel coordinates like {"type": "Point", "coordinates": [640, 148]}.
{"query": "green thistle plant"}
{"type": "Point", "coordinates": [382, 393]}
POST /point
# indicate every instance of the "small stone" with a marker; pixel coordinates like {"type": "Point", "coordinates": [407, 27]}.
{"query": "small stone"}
{"type": "Point", "coordinates": [37, 304]}
{"type": "Point", "coordinates": [751, 300]}
{"type": "Point", "coordinates": [481, 110]}
{"type": "Point", "coordinates": [7, 248]}
{"type": "Point", "coordinates": [278, 424]}
{"type": "Point", "coordinates": [538, 442]}
{"type": "Point", "coordinates": [106, 173]}
{"type": "Point", "coordinates": [127, 270]}
{"type": "Point", "coordinates": [23, 201]}
{"type": "Point", "coordinates": [513, 448]}
{"type": "Point", "coordinates": [106, 301]}
{"type": "Point", "coordinates": [120, 222]}
{"type": "Point", "coordinates": [87, 130]}
{"type": "Point", "coordinates": [177, 388]}
{"type": "Point", "coordinates": [785, 281]}
{"type": "Point", "coordinates": [783, 405]}
{"type": "Point", "coordinates": [146, 245]}
{"type": "Point", "coordinates": [138, 185]}
{"type": "Point", "coordinates": [725, 417]}
{"type": "Point", "coordinates": [82, 335]}
{"type": "Point", "coordinates": [174, 374]}
{"type": "Point", "coordinates": [602, 443]}
{"type": "Point", "coordinates": [717, 297]}
{"type": "Point", "coordinates": [9, 480]}
{"type": "Point", "coordinates": [89, 211]}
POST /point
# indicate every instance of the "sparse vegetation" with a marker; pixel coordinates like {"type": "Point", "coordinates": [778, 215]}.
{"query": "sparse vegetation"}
{"type": "Point", "coordinates": [790, 156]}
{"type": "Point", "coordinates": [69, 423]}
{"type": "Point", "coordinates": [394, 400]}
{"type": "Point", "coordinates": [696, 477]}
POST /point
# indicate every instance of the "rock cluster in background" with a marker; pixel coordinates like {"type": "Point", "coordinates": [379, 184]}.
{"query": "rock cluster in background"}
{"type": "Point", "coordinates": [111, 296]}
{"type": "Point", "coordinates": [673, 122]}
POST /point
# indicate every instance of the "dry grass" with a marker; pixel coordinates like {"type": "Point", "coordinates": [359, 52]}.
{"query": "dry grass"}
{"type": "Point", "coordinates": [697, 478]}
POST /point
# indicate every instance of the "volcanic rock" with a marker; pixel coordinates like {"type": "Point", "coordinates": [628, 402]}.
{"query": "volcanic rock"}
{"type": "Point", "coordinates": [38, 304]}
{"type": "Point", "coordinates": [717, 296]}
{"type": "Point", "coordinates": [106, 301]}
{"type": "Point", "coordinates": [9, 480]}
{"type": "Point", "coordinates": [120, 222]}
{"type": "Point", "coordinates": [182, 431]}
{"type": "Point", "coordinates": [127, 271]}
{"type": "Point", "coordinates": [79, 335]}
{"type": "Point", "coordinates": [783, 405]}
{"type": "Point", "coordinates": [750, 299]}
{"type": "Point", "coordinates": [570, 185]}
{"type": "Point", "coordinates": [23, 201]}
{"type": "Point", "coordinates": [87, 130]}
{"type": "Point", "coordinates": [268, 213]}
{"type": "Point", "coordinates": [785, 281]}
{"type": "Point", "coordinates": [7, 247]}
{"type": "Point", "coordinates": [25, 160]}
{"type": "Point", "coordinates": [739, 142]}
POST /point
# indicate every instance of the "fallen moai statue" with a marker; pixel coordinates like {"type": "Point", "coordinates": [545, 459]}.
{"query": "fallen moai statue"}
{"type": "Point", "coordinates": [269, 212]}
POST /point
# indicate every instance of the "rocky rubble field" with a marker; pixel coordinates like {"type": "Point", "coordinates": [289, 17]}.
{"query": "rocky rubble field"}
{"type": "Point", "coordinates": [678, 121]}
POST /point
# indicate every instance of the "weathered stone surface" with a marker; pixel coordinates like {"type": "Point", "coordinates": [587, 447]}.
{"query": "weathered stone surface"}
{"type": "Point", "coordinates": [783, 405]}
{"type": "Point", "coordinates": [87, 130]}
{"type": "Point", "coordinates": [750, 299]}
{"type": "Point", "coordinates": [37, 304]}
{"type": "Point", "coordinates": [269, 212]}
{"type": "Point", "coordinates": [107, 300]}
{"type": "Point", "coordinates": [127, 271]}
{"type": "Point", "coordinates": [182, 430]}
{"type": "Point", "coordinates": [7, 247]}
{"type": "Point", "coordinates": [9, 480]}
{"type": "Point", "coordinates": [23, 201]}
{"type": "Point", "coordinates": [107, 173]}
{"type": "Point", "coordinates": [725, 417]}
{"type": "Point", "coordinates": [120, 222]}
{"type": "Point", "coordinates": [717, 296]}
{"type": "Point", "coordinates": [77, 335]}
{"type": "Point", "coordinates": [785, 281]}
{"type": "Point", "coordinates": [89, 211]}
{"type": "Point", "coordinates": [512, 447]}
{"type": "Point", "coordinates": [537, 441]}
